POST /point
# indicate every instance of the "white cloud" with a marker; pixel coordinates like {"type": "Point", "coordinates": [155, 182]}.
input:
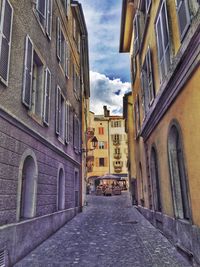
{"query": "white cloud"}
{"type": "Point", "coordinates": [105, 91]}
{"type": "Point", "coordinates": [103, 24]}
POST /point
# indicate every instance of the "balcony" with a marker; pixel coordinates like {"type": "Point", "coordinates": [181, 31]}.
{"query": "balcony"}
{"type": "Point", "coordinates": [117, 169]}
{"type": "Point", "coordinates": [116, 142]}
{"type": "Point", "coordinates": [117, 155]}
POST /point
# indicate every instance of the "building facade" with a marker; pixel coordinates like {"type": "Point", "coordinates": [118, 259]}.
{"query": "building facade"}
{"type": "Point", "coordinates": [110, 156]}
{"type": "Point", "coordinates": [162, 38]}
{"type": "Point", "coordinates": [43, 85]}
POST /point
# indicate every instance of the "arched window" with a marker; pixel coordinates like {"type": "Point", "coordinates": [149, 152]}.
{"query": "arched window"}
{"type": "Point", "coordinates": [27, 187]}
{"type": "Point", "coordinates": [155, 180]}
{"type": "Point", "coordinates": [61, 189]}
{"type": "Point", "coordinates": [178, 174]}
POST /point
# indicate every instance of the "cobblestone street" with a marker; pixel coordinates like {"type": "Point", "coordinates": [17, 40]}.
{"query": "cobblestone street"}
{"type": "Point", "coordinates": [109, 232]}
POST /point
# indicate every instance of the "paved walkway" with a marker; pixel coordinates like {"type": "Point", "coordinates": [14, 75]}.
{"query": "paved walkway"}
{"type": "Point", "coordinates": [110, 232]}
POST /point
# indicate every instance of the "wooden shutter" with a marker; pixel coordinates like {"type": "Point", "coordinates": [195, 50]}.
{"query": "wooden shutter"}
{"type": "Point", "coordinates": [47, 90]}
{"type": "Point", "coordinates": [106, 145]}
{"type": "Point", "coordinates": [48, 18]}
{"type": "Point", "coordinates": [28, 68]}
{"type": "Point", "coordinates": [67, 122]}
{"type": "Point", "coordinates": [97, 162]}
{"type": "Point", "coordinates": [58, 43]}
{"type": "Point", "coordinates": [58, 109]}
{"type": "Point", "coordinates": [5, 39]}
{"type": "Point", "coordinates": [105, 162]}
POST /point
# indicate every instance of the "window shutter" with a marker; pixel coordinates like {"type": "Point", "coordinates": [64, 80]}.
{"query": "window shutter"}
{"type": "Point", "coordinates": [105, 162]}
{"type": "Point", "coordinates": [150, 75]}
{"type": "Point", "coordinates": [5, 39]}
{"type": "Point", "coordinates": [106, 145]}
{"type": "Point", "coordinates": [74, 79]}
{"type": "Point", "coordinates": [79, 135]}
{"type": "Point", "coordinates": [67, 122]}
{"type": "Point", "coordinates": [47, 90]}
{"type": "Point", "coordinates": [74, 131]}
{"type": "Point", "coordinates": [183, 16]}
{"type": "Point", "coordinates": [58, 44]}
{"type": "Point", "coordinates": [97, 162]}
{"type": "Point", "coordinates": [136, 33]}
{"type": "Point", "coordinates": [67, 65]}
{"type": "Point", "coordinates": [28, 67]}
{"type": "Point", "coordinates": [49, 18]}
{"type": "Point", "coordinates": [58, 109]}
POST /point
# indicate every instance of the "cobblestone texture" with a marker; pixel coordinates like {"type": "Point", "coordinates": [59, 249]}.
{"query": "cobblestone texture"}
{"type": "Point", "coordinates": [109, 232]}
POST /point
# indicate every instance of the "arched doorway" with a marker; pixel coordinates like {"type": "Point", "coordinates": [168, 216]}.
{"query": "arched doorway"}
{"type": "Point", "coordinates": [177, 173]}
{"type": "Point", "coordinates": [61, 189]}
{"type": "Point", "coordinates": [155, 180]}
{"type": "Point", "coordinates": [27, 187]}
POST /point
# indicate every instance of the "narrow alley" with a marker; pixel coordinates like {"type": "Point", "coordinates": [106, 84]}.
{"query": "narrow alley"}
{"type": "Point", "coordinates": [109, 232]}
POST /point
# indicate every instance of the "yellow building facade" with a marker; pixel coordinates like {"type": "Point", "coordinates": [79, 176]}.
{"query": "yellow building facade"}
{"type": "Point", "coordinates": [162, 38]}
{"type": "Point", "coordinates": [110, 155]}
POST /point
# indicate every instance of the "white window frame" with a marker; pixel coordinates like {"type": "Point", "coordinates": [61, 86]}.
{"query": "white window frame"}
{"type": "Point", "coordinates": [2, 36]}
{"type": "Point", "coordinates": [166, 68]}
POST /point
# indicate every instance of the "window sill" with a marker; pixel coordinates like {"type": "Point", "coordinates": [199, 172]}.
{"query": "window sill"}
{"type": "Point", "coordinates": [61, 140]}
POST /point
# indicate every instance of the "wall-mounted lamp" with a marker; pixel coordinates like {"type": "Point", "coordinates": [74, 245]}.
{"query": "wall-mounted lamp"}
{"type": "Point", "coordinates": [94, 142]}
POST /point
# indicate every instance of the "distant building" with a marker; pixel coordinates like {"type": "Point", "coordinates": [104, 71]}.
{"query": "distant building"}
{"type": "Point", "coordinates": [44, 84]}
{"type": "Point", "coordinates": [162, 38]}
{"type": "Point", "coordinates": [111, 154]}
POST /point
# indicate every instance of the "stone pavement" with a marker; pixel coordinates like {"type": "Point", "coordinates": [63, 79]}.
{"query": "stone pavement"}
{"type": "Point", "coordinates": [109, 232]}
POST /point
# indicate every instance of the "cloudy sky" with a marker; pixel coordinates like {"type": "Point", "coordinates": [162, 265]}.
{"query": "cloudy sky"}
{"type": "Point", "coordinates": [109, 70]}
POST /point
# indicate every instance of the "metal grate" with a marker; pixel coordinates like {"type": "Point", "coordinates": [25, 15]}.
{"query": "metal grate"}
{"type": "Point", "coordinates": [2, 258]}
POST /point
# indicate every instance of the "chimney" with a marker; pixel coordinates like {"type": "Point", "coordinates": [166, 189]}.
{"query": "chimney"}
{"type": "Point", "coordinates": [106, 111]}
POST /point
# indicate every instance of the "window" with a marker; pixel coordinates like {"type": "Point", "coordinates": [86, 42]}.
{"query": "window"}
{"type": "Point", "coordinates": [101, 130]}
{"type": "Point", "coordinates": [76, 84]}
{"type": "Point", "coordinates": [136, 43]}
{"type": "Point", "coordinates": [117, 150]}
{"type": "Point", "coordinates": [67, 116]}
{"type": "Point", "coordinates": [102, 145]}
{"type": "Point", "coordinates": [36, 83]}
{"type": "Point", "coordinates": [115, 123]}
{"type": "Point", "coordinates": [61, 190]}
{"type": "Point", "coordinates": [137, 116]}
{"type": "Point", "coordinates": [183, 16]}
{"type": "Point", "coordinates": [155, 180]}
{"type": "Point", "coordinates": [60, 114]}
{"type": "Point", "coordinates": [62, 50]}
{"type": "Point", "coordinates": [44, 14]}
{"type": "Point", "coordinates": [101, 162]}
{"type": "Point", "coordinates": [133, 68]}
{"type": "Point", "coordinates": [147, 82]}
{"type": "Point", "coordinates": [66, 4]}
{"type": "Point", "coordinates": [6, 18]}
{"type": "Point", "coordinates": [178, 174]}
{"type": "Point", "coordinates": [145, 6]}
{"type": "Point", "coordinates": [77, 134]}
{"type": "Point", "coordinates": [76, 188]}
{"type": "Point", "coordinates": [162, 34]}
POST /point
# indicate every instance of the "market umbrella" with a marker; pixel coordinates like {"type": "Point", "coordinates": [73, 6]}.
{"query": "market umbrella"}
{"type": "Point", "coordinates": [108, 176]}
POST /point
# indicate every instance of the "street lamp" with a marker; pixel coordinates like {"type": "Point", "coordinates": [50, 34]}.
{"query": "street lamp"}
{"type": "Point", "coordinates": [94, 142]}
